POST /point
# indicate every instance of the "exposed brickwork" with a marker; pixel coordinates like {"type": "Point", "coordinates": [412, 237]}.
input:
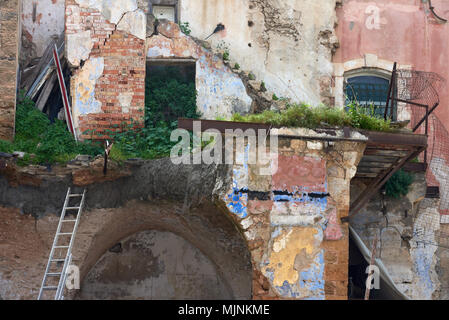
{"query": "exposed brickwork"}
{"type": "Point", "coordinates": [123, 73]}
{"type": "Point", "coordinates": [9, 32]}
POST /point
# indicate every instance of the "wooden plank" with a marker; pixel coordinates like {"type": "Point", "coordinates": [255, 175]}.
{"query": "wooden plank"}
{"type": "Point", "coordinates": [371, 164]}
{"type": "Point", "coordinates": [388, 153]}
{"type": "Point", "coordinates": [366, 175]}
{"type": "Point", "coordinates": [48, 87]}
{"type": "Point", "coordinates": [379, 159]}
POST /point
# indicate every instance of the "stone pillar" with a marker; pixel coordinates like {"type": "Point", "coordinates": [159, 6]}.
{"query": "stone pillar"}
{"type": "Point", "coordinates": [9, 35]}
{"type": "Point", "coordinates": [292, 218]}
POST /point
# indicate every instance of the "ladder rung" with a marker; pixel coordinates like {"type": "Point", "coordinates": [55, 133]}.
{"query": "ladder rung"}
{"type": "Point", "coordinates": [61, 247]}
{"type": "Point", "coordinates": [64, 234]}
{"type": "Point", "coordinates": [72, 208]}
{"type": "Point", "coordinates": [49, 288]}
{"type": "Point", "coordinates": [68, 220]}
{"type": "Point", "coordinates": [57, 260]}
{"type": "Point", "coordinates": [54, 274]}
{"type": "Point", "coordinates": [75, 195]}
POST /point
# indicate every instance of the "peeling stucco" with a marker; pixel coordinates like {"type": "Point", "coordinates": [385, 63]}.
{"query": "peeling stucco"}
{"type": "Point", "coordinates": [112, 10]}
{"type": "Point", "coordinates": [134, 23]}
{"type": "Point", "coordinates": [220, 91]}
{"type": "Point", "coordinates": [79, 46]}
{"type": "Point", "coordinates": [84, 100]}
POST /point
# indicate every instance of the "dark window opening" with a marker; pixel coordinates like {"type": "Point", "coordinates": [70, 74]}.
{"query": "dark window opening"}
{"type": "Point", "coordinates": [165, 9]}
{"type": "Point", "coordinates": [369, 92]}
{"type": "Point", "coordinates": [170, 93]}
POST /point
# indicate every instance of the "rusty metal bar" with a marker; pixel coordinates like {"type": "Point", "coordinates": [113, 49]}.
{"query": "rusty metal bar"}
{"type": "Point", "coordinates": [426, 117]}
{"type": "Point", "coordinates": [390, 89]}
{"type": "Point", "coordinates": [410, 102]}
{"type": "Point", "coordinates": [378, 183]}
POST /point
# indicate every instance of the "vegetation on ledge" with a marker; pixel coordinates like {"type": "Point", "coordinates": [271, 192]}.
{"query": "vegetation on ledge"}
{"type": "Point", "coordinates": [42, 141]}
{"type": "Point", "coordinates": [305, 116]}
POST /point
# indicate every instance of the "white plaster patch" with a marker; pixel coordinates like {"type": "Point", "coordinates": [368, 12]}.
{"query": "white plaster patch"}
{"type": "Point", "coordinates": [444, 219]}
{"type": "Point", "coordinates": [112, 10]}
{"type": "Point", "coordinates": [79, 46]}
{"type": "Point", "coordinates": [84, 101]}
{"type": "Point", "coordinates": [125, 101]}
{"type": "Point", "coordinates": [314, 145]}
{"type": "Point", "coordinates": [134, 23]}
{"type": "Point", "coordinates": [248, 222]}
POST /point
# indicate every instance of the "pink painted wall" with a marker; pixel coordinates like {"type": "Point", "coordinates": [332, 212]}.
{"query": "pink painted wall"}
{"type": "Point", "coordinates": [408, 33]}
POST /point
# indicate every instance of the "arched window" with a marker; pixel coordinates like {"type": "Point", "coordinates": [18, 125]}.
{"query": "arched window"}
{"type": "Point", "coordinates": [368, 90]}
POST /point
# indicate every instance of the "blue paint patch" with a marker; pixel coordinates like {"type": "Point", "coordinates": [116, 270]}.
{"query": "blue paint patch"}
{"type": "Point", "coordinates": [313, 278]}
{"type": "Point", "coordinates": [237, 203]}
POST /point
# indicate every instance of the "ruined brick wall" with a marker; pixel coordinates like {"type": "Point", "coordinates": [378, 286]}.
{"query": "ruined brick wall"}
{"type": "Point", "coordinates": [108, 49]}
{"type": "Point", "coordinates": [9, 33]}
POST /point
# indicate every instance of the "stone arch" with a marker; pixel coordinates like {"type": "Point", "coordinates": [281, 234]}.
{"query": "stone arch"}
{"type": "Point", "coordinates": [211, 232]}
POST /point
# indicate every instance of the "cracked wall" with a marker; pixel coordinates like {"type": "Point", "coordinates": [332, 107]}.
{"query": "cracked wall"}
{"type": "Point", "coordinates": [9, 43]}
{"type": "Point", "coordinates": [105, 42]}
{"type": "Point", "coordinates": [220, 92]}
{"type": "Point", "coordinates": [408, 232]}
{"type": "Point", "coordinates": [286, 44]}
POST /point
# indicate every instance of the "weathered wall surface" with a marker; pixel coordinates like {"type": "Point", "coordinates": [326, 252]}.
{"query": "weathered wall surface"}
{"type": "Point", "coordinates": [9, 34]}
{"type": "Point", "coordinates": [286, 44]}
{"type": "Point", "coordinates": [220, 92]}
{"type": "Point", "coordinates": [153, 265]}
{"type": "Point", "coordinates": [291, 219]}
{"type": "Point", "coordinates": [376, 34]}
{"type": "Point", "coordinates": [109, 88]}
{"type": "Point", "coordinates": [281, 231]}
{"type": "Point", "coordinates": [41, 20]}
{"type": "Point", "coordinates": [180, 202]}
{"type": "Point", "coordinates": [408, 232]}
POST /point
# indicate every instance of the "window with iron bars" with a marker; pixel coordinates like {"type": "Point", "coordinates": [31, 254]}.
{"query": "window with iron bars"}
{"type": "Point", "coordinates": [369, 92]}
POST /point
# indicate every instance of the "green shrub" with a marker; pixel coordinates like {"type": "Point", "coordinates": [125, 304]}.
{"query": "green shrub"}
{"type": "Point", "coordinates": [305, 116]}
{"type": "Point", "coordinates": [185, 28]}
{"type": "Point", "coordinates": [399, 184]}
{"type": "Point", "coordinates": [48, 142]}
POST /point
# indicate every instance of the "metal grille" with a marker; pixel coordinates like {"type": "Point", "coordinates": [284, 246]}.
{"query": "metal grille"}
{"type": "Point", "coordinates": [368, 92]}
{"type": "Point", "coordinates": [417, 94]}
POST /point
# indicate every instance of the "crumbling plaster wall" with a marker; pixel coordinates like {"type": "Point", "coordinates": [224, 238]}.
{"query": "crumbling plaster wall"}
{"type": "Point", "coordinates": [9, 35]}
{"type": "Point", "coordinates": [220, 92]}
{"type": "Point", "coordinates": [287, 44]}
{"type": "Point", "coordinates": [291, 219]}
{"type": "Point", "coordinates": [284, 227]}
{"type": "Point", "coordinates": [41, 21]}
{"type": "Point", "coordinates": [105, 41]}
{"type": "Point", "coordinates": [408, 233]}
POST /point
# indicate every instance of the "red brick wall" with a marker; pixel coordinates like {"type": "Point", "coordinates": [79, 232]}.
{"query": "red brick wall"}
{"type": "Point", "coordinates": [124, 72]}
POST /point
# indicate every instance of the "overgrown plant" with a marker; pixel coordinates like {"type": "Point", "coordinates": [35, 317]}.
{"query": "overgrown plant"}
{"type": "Point", "coordinates": [305, 116]}
{"type": "Point", "coordinates": [185, 28]}
{"type": "Point", "coordinates": [169, 96]}
{"type": "Point", "coordinates": [399, 184]}
{"type": "Point", "coordinates": [42, 141]}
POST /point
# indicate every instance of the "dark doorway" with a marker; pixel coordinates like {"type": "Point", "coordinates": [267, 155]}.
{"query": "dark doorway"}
{"type": "Point", "coordinates": [170, 92]}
